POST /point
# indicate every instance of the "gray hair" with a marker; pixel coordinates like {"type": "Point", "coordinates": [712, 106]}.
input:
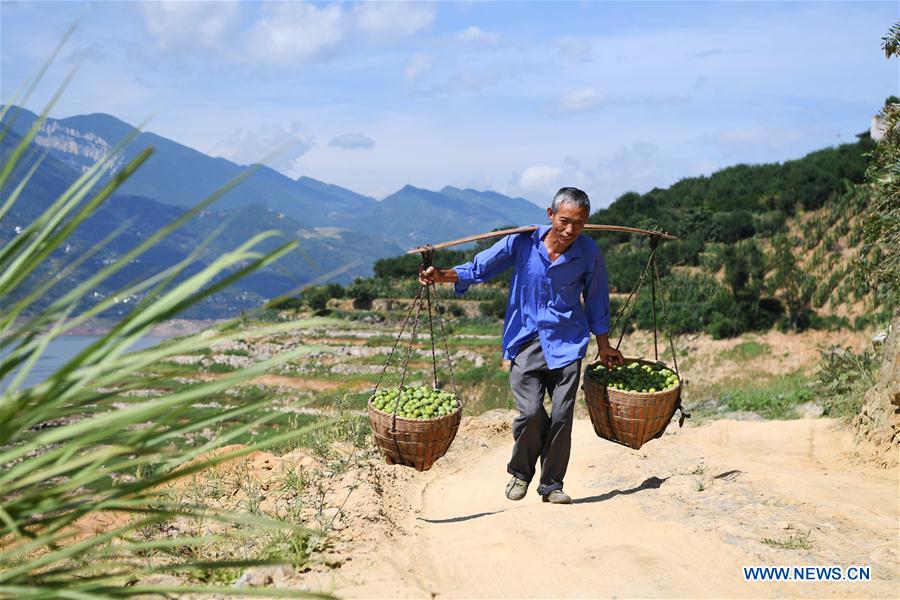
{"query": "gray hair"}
{"type": "Point", "coordinates": [573, 196]}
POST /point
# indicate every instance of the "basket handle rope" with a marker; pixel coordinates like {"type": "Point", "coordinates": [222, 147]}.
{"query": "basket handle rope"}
{"type": "Point", "coordinates": [423, 296]}
{"type": "Point", "coordinates": [412, 305]}
{"type": "Point", "coordinates": [635, 292]}
{"type": "Point", "coordinates": [431, 290]}
{"type": "Point", "coordinates": [655, 284]}
{"type": "Point", "coordinates": [427, 258]}
{"type": "Point", "coordinates": [662, 300]}
{"type": "Point", "coordinates": [416, 303]}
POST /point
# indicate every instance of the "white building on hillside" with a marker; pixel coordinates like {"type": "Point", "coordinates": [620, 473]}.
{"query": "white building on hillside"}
{"type": "Point", "coordinates": [876, 129]}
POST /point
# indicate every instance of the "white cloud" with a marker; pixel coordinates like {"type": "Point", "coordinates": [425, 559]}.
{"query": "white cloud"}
{"type": "Point", "coordinates": [580, 100]}
{"type": "Point", "coordinates": [573, 48]}
{"type": "Point", "coordinates": [352, 141]}
{"type": "Point", "coordinates": [386, 21]}
{"type": "Point", "coordinates": [278, 146]}
{"type": "Point", "coordinates": [588, 98]}
{"type": "Point", "coordinates": [428, 80]}
{"type": "Point", "coordinates": [466, 80]}
{"type": "Point", "coordinates": [638, 166]}
{"type": "Point", "coordinates": [296, 32]}
{"type": "Point", "coordinates": [175, 24]}
{"type": "Point", "coordinates": [476, 34]}
{"type": "Point", "coordinates": [418, 65]}
{"type": "Point", "coordinates": [538, 177]}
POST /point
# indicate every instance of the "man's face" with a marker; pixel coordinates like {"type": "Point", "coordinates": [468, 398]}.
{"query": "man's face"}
{"type": "Point", "coordinates": [568, 221]}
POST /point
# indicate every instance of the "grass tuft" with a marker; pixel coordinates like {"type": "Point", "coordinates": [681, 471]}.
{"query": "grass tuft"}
{"type": "Point", "coordinates": [797, 541]}
{"type": "Point", "coordinates": [747, 350]}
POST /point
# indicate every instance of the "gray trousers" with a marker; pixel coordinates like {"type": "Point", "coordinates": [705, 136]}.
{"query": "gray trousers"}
{"type": "Point", "coordinates": [535, 433]}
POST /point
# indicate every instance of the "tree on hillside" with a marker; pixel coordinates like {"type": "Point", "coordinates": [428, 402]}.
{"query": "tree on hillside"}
{"type": "Point", "coordinates": [335, 290]}
{"type": "Point", "coordinates": [406, 266]}
{"type": "Point", "coordinates": [316, 297]}
{"type": "Point", "coordinates": [729, 227]}
{"type": "Point", "coordinates": [791, 283]}
{"type": "Point", "coordinates": [362, 292]}
{"type": "Point", "coordinates": [745, 271]}
{"type": "Point", "coordinates": [891, 42]}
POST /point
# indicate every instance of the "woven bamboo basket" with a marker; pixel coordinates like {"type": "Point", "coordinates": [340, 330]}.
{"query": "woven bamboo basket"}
{"type": "Point", "coordinates": [629, 418]}
{"type": "Point", "coordinates": [415, 443]}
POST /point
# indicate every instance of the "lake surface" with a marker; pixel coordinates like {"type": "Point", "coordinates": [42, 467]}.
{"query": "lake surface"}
{"type": "Point", "coordinates": [63, 349]}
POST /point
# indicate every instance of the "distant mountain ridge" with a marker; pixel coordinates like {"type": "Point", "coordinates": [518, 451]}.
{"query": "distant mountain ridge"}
{"type": "Point", "coordinates": [181, 176]}
{"type": "Point", "coordinates": [341, 233]}
{"type": "Point", "coordinates": [442, 215]}
{"type": "Point", "coordinates": [338, 255]}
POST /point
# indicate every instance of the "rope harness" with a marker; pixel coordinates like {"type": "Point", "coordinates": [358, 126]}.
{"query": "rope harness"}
{"type": "Point", "coordinates": [655, 284]}
{"type": "Point", "coordinates": [423, 296]}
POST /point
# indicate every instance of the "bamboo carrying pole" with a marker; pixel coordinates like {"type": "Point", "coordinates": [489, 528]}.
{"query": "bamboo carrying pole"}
{"type": "Point", "coordinates": [527, 228]}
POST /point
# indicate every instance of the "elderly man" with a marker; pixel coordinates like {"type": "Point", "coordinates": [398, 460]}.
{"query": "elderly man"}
{"type": "Point", "coordinates": [546, 332]}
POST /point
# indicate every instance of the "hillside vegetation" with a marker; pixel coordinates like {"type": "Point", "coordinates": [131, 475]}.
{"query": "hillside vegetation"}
{"type": "Point", "coordinates": [760, 246]}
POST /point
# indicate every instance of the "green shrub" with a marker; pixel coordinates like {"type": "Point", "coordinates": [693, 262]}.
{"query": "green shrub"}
{"type": "Point", "coordinates": [290, 303]}
{"type": "Point", "coordinates": [769, 223]}
{"type": "Point", "coordinates": [316, 297]}
{"type": "Point", "coordinates": [455, 310]}
{"type": "Point", "coordinates": [730, 227]}
{"type": "Point", "coordinates": [776, 398]}
{"type": "Point", "coordinates": [748, 350]}
{"type": "Point", "coordinates": [698, 303]}
{"type": "Point", "coordinates": [363, 293]}
{"type": "Point", "coordinates": [871, 319]}
{"type": "Point", "coordinates": [843, 377]}
{"type": "Point", "coordinates": [495, 309]}
{"type": "Point", "coordinates": [334, 290]}
{"type": "Point", "coordinates": [829, 322]}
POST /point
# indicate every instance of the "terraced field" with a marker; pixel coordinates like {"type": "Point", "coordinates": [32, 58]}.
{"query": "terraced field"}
{"type": "Point", "coordinates": [343, 360]}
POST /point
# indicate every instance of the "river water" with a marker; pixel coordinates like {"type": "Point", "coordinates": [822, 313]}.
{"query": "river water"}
{"type": "Point", "coordinates": [61, 350]}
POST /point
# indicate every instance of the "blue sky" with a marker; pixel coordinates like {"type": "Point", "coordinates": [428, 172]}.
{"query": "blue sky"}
{"type": "Point", "coordinates": [521, 98]}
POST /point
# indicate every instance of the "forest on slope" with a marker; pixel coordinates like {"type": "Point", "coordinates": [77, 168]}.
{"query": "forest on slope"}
{"type": "Point", "coordinates": [761, 246]}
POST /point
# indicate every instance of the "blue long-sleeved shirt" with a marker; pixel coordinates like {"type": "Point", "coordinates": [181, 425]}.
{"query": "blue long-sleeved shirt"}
{"type": "Point", "coordinates": [544, 297]}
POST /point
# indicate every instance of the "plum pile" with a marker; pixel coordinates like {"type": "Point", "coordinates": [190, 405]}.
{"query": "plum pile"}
{"type": "Point", "coordinates": [635, 377]}
{"type": "Point", "coordinates": [415, 402]}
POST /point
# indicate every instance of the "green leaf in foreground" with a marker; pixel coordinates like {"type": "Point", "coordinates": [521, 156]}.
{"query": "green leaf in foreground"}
{"type": "Point", "coordinates": [68, 456]}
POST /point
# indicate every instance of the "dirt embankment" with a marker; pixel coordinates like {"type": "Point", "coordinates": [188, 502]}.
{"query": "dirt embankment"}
{"type": "Point", "coordinates": [679, 518]}
{"type": "Point", "coordinates": [878, 424]}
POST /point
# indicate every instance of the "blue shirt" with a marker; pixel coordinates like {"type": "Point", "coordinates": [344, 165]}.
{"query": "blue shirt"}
{"type": "Point", "coordinates": [544, 296]}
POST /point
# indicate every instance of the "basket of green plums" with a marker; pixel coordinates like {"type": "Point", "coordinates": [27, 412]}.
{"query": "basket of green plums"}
{"type": "Point", "coordinates": [414, 426]}
{"type": "Point", "coordinates": [631, 403]}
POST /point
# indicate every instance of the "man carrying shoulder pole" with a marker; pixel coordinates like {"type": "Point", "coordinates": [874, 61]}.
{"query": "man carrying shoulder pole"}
{"type": "Point", "coordinates": [546, 332]}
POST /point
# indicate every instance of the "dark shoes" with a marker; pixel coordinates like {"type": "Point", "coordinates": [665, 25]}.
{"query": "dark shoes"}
{"type": "Point", "coordinates": [516, 488]}
{"type": "Point", "coordinates": [557, 497]}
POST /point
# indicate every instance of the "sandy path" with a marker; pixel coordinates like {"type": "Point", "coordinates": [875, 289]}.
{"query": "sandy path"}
{"type": "Point", "coordinates": [641, 526]}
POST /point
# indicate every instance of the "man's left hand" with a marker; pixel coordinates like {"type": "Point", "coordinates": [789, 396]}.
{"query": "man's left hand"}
{"type": "Point", "coordinates": [610, 356]}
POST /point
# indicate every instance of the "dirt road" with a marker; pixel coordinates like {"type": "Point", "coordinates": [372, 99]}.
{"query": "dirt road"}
{"type": "Point", "coordinates": [679, 518]}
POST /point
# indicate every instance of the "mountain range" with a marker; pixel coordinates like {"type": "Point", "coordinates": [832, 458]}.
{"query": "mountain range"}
{"type": "Point", "coordinates": [341, 233]}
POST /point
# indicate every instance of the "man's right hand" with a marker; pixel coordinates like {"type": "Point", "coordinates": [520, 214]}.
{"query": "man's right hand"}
{"type": "Point", "coordinates": [434, 275]}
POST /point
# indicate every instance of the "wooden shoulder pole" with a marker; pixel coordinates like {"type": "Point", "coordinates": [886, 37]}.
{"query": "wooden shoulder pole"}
{"type": "Point", "coordinates": [529, 228]}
